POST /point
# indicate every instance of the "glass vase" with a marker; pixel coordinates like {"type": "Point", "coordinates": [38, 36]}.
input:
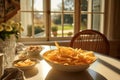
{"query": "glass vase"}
{"type": "Point", "coordinates": [1, 64]}
{"type": "Point", "coordinates": [8, 48]}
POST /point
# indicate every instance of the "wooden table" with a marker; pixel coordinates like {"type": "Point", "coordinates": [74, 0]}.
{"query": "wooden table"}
{"type": "Point", "coordinates": [105, 68]}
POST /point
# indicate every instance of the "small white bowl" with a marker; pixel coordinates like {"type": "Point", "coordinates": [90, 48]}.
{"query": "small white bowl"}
{"type": "Point", "coordinates": [28, 64]}
{"type": "Point", "coordinates": [34, 51]}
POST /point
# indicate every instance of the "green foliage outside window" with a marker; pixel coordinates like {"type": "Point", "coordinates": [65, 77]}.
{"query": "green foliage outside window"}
{"type": "Point", "coordinates": [37, 29]}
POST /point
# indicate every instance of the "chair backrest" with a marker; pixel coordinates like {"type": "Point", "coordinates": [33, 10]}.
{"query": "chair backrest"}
{"type": "Point", "coordinates": [91, 40]}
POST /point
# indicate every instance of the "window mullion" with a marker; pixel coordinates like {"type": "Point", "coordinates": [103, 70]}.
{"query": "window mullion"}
{"type": "Point", "coordinates": [32, 12]}
{"type": "Point", "coordinates": [47, 18]}
{"type": "Point", "coordinates": [62, 21]}
{"type": "Point", "coordinates": [77, 13]}
{"type": "Point", "coordinates": [89, 19]}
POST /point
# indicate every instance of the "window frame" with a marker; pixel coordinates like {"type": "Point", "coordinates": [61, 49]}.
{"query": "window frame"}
{"type": "Point", "coordinates": [77, 13]}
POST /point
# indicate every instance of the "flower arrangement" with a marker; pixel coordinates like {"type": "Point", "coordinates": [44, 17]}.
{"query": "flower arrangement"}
{"type": "Point", "coordinates": [9, 28]}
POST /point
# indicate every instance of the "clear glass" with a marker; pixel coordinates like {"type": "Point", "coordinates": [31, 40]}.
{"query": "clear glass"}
{"type": "Point", "coordinates": [83, 23]}
{"type": "Point", "coordinates": [56, 5]}
{"type": "Point", "coordinates": [38, 5]}
{"type": "Point", "coordinates": [97, 22]}
{"type": "Point", "coordinates": [56, 24]}
{"type": "Point", "coordinates": [68, 5]}
{"type": "Point", "coordinates": [84, 5]}
{"type": "Point", "coordinates": [68, 25]}
{"type": "Point", "coordinates": [1, 64]}
{"type": "Point", "coordinates": [9, 50]}
{"type": "Point", "coordinates": [39, 27]}
{"type": "Point", "coordinates": [98, 5]}
{"type": "Point", "coordinates": [26, 5]}
{"type": "Point", "coordinates": [66, 29]}
{"type": "Point", "coordinates": [26, 18]}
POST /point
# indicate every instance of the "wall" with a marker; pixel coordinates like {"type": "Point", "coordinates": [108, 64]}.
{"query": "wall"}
{"type": "Point", "coordinates": [115, 43]}
{"type": "Point", "coordinates": [115, 49]}
{"type": "Point", "coordinates": [112, 26]}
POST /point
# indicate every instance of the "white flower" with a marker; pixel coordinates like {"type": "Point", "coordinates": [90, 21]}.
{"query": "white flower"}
{"type": "Point", "coordinates": [10, 22]}
{"type": "Point", "coordinates": [16, 26]}
{"type": "Point", "coordinates": [21, 29]}
{"type": "Point", "coordinates": [3, 24]}
{"type": "Point", "coordinates": [8, 28]}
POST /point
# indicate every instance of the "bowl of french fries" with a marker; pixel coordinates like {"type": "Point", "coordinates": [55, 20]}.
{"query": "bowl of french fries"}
{"type": "Point", "coordinates": [69, 59]}
{"type": "Point", "coordinates": [25, 64]}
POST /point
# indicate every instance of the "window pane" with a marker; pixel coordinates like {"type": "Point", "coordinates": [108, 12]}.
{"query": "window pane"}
{"type": "Point", "coordinates": [69, 5]}
{"type": "Point", "coordinates": [98, 5]}
{"type": "Point", "coordinates": [56, 5]}
{"type": "Point", "coordinates": [84, 19]}
{"type": "Point", "coordinates": [26, 20]}
{"type": "Point", "coordinates": [56, 24]}
{"type": "Point", "coordinates": [96, 21]}
{"type": "Point", "coordinates": [39, 28]}
{"type": "Point", "coordinates": [68, 25]}
{"type": "Point", "coordinates": [26, 5]}
{"type": "Point", "coordinates": [38, 5]}
{"type": "Point", "coordinates": [84, 5]}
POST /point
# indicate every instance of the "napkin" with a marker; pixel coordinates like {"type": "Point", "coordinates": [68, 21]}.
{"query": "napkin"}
{"type": "Point", "coordinates": [13, 74]}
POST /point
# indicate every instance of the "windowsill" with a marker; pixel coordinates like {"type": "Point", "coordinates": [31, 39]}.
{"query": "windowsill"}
{"type": "Point", "coordinates": [65, 42]}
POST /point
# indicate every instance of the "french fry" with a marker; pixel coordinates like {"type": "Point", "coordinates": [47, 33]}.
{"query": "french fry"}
{"type": "Point", "coordinates": [27, 62]}
{"type": "Point", "coordinates": [70, 56]}
{"type": "Point", "coordinates": [57, 45]}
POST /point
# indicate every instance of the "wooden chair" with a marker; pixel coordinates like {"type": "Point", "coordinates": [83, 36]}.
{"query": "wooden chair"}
{"type": "Point", "coordinates": [91, 40]}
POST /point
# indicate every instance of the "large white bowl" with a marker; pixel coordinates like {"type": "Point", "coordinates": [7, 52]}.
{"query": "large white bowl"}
{"type": "Point", "coordinates": [67, 68]}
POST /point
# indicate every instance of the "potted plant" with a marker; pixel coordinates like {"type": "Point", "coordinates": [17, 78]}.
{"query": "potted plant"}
{"type": "Point", "coordinates": [54, 30]}
{"type": "Point", "coordinates": [69, 34]}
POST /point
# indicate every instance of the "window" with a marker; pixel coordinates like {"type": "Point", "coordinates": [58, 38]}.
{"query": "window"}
{"type": "Point", "coordinates": [62, 17]}
{"type": "Point", "coordinates": [92, 14]}
{"type": "Point", "coordinates": [45, 20]}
